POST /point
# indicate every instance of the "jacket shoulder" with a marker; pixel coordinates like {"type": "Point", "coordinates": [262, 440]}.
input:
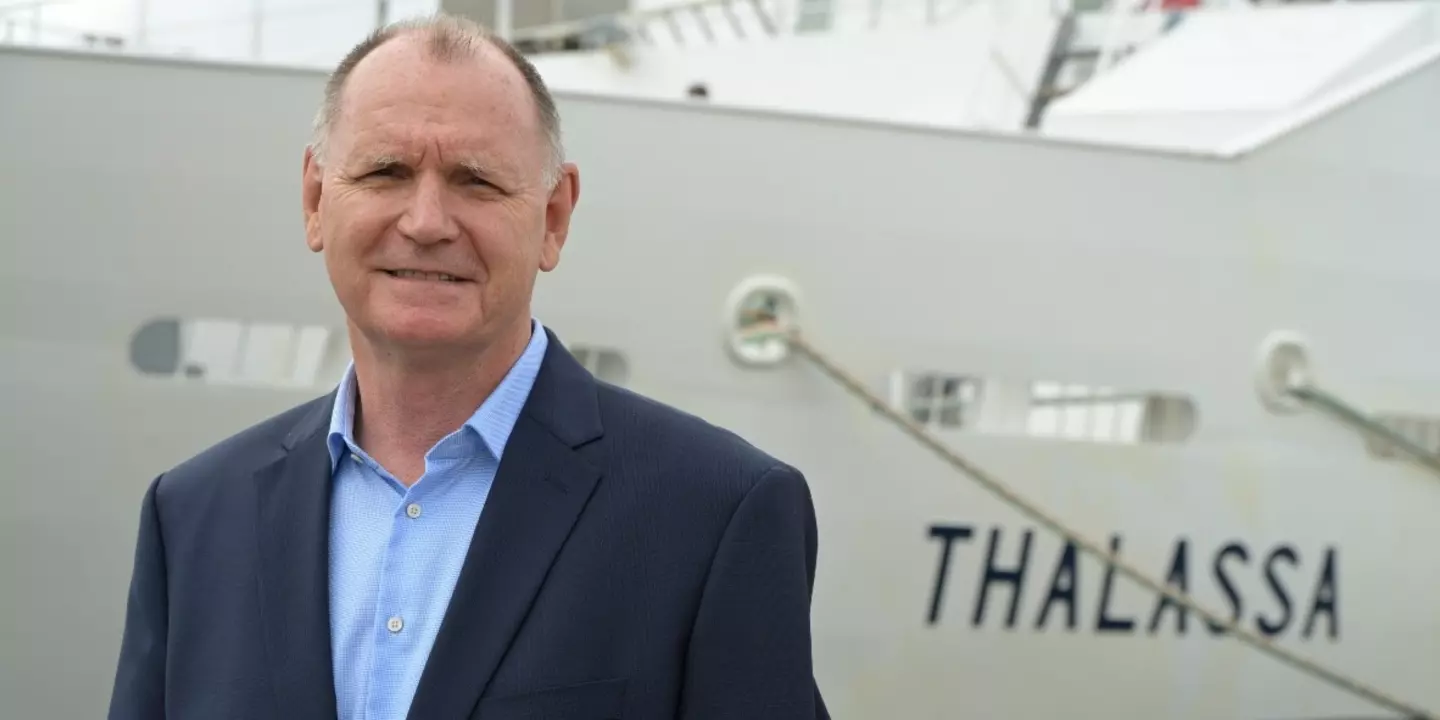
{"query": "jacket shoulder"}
{"type": "Point", "coordinates": [682, 445]}
{"type": "Point", "coordinates": [248, 450]}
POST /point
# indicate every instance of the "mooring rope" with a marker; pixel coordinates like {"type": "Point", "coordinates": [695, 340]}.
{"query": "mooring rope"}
{"type": "Point", "coordinates": [1015, 500]}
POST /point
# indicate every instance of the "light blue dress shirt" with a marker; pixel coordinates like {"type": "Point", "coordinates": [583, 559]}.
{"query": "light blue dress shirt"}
{"type": "Point", "coordinates": [395, 552]}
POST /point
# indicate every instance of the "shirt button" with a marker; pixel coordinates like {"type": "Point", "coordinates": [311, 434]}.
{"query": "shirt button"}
{"type": "Point", "coordinates": [395, 624]}
{"type": "Point", "coordinates": [413, 510]}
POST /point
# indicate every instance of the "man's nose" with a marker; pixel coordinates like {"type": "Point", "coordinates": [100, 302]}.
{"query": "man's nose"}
{"type": "Point", "coordinates": [426, 220]}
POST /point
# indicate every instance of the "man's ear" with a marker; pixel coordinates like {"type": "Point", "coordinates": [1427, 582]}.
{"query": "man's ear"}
{"type": "Point", "coordinates": [557, 215]}
{"type": "Point", "coordinates": [310, 180]}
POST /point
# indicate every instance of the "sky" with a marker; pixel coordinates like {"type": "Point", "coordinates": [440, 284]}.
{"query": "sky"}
{"type": "Point", "coordinates": [302, 32]}
{"type": "Point", "coordinates": [298, 32]}
{"type": "Point", "coordinates": [308, 33]}
{"type": "Point", "coordinates": [100, 15]}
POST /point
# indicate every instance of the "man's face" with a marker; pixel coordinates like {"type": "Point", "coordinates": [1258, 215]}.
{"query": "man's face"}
{"type": "Point", "coordinates": [431, 208]}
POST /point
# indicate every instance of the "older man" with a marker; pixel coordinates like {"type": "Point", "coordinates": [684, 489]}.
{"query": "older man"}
{"type": "Point", "coordinates": [470, 526]}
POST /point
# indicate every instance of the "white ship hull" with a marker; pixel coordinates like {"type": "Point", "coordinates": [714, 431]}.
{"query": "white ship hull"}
{"type": "Point", "coordinates": [145, 190]}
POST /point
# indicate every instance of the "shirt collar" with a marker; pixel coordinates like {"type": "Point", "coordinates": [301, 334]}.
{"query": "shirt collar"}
{"type": "Point", "coordinates": [492, 422]}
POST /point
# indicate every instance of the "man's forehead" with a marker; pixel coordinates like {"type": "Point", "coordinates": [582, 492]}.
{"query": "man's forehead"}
{"type": "Point", "coordinates": [408, 99]}
{"type": "Point", "coordinates": [406, 67]}
{"type": "Point", "coordinates": [407, 133]}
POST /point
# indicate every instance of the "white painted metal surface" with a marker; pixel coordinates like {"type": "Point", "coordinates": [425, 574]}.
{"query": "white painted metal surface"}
{"type": "Point", "coordinates": [1222, 73]}
{"type": "Point", "coordinates": [1198, 79]}
{"type": "Point", "coordinates": [976, 64]}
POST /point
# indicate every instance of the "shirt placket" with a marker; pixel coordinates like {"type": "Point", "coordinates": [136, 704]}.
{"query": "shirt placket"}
{"type": "Point", "coordinates": [396, 611]}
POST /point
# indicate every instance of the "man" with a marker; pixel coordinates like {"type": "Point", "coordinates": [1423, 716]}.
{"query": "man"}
{"type": "Point", "coordinates": [470, 526]}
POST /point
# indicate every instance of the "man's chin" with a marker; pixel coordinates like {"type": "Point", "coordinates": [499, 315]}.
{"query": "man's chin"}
{"type": "Point", "coordinates": [423, 334]}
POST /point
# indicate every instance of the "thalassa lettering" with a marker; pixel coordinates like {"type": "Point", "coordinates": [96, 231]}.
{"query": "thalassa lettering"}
{"type": "Point", "coordinates": [1300, 594]}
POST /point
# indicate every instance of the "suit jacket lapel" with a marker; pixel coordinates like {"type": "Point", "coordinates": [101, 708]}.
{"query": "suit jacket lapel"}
{"type": "Point", "coordinates": [292, 525]}
{"type": "Point", "coordinates": [541, 487]}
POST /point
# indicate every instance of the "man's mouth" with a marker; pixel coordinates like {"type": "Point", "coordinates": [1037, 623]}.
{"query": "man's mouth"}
{"type": "Point", "coordinates": [422, 275]}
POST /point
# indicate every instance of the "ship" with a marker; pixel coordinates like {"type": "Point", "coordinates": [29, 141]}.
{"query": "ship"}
{"type": "Point", "coordinates": [1105, 336]}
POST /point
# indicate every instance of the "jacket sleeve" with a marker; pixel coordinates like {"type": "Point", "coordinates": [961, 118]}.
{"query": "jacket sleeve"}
{"type": "Point", "coordinates": [750, 649]}
{"type": "Point", "coordinates": [139, 692]}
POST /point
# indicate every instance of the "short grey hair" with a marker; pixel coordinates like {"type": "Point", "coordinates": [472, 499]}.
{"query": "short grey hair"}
{"type": "Point", "coordinates": [448, 39]}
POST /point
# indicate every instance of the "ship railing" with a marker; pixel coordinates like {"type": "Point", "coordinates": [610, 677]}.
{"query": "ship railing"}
{"type": "Point", "coordinates": [707, 22]}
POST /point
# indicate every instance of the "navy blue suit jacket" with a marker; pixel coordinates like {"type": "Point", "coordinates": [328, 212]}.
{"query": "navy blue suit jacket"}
{"type": "Point", "coordinates": [631, 562]}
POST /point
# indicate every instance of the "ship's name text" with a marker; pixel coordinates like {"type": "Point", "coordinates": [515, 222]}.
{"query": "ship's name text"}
{"type": "Point", "coordinates": [1285, 594]}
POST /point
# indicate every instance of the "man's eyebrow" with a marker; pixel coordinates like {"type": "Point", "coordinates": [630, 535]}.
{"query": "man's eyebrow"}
{"type": "Point", "coordinates": [471, 165]}
{"type": "Point", "coordinates": [476, 167]}
{"type": "Point", "coordinates": [380, 161]}
{"type": "Point", "coordinates": [357, 165]}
